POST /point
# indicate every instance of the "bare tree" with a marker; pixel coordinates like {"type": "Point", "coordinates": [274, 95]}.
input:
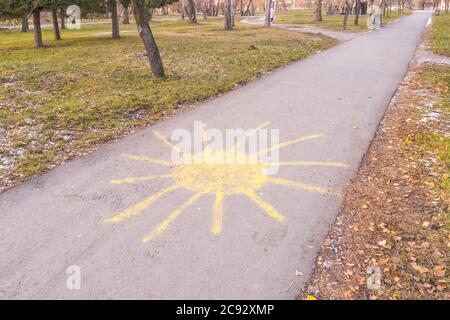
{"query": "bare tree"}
{"type": "Point", "coordinates": [348, 6]}
{"type": "Point", "coordinates": [268, 20]}
{"type": "Point", "coordinates": [56, 24]}
{"type": "Point", "coordinates": [25, 27]}
{"type": "Point", "coordinates": [181, 9]}
{"type": "Point", "coordinates": [126, 11]}
{"type": "Point", "coordinates": [216, 8]}
{"type": "Point", "coordinates": [358, 11]}
{"type": "Point", "coordinates": [330, 8]}
{"type": "Point", "coordinates": [112, 5]}
{"type": "Point", "coordinates": [247, 9]}
{"type": "Point", "coordinates": [251, 8]}
{"type": "Point", "coordinates": [62, 15]}
{"type": "Point", "coordinates": [228, 11]}
{"type": "Point", "coordinates": [191, 11]}
{"type": "Point", "coordinates": [37, 28]}
{"type": "Point", "coordinates": [205, 9]}
{"type": "Point", "coordinates": [318, 11]}
{"type": "Point", "coordinates": [233, 11]}
{"type": "Point", "coordinates": [140, 12]}
{"type": "Point", "coordinates": [126, 16]}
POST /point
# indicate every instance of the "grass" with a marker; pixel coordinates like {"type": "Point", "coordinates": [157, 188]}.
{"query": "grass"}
{"type": "Point", "coordinates": [88, 88]}
{"type": "Point", "coordinates": [434, 142]}
{"type": "Point", "coordinates": [333, 22]}
{"type": "Point", "coordinates": [440, 34]}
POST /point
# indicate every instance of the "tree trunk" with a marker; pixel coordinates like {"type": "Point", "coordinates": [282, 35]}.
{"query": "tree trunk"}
{"type": "Point", "coordinates": [181, 9]}
{"type": "Point", "coordinates": [357, 11]}
{"type": "Point", "coordinates": [248, 8]}
{"type": "Point", "coordinates": [25, 26]}
{"type": "Point", "coordinates": [318, 11]}
{"type": "Point", "coordinates": [216, 9]}
{"type": "Point", "coordinates": [126, 15]}
{"type": "Point", "coordinates": [233, 11]}
{"type": "Point", "coordinates": [268, 20]}
{"type": "Point", "coordinates": [38, 43]}
{"type": "Point", "coordinates": [141, 16]}
{"type": "Point", "coordinates": [62, 15]}
{"type": "Point", "coordinates": [346, 14]}
{"type": "Point", "coordinates": [227, 13]}
{"type": "Point", "coordinates": [150, 14]}
{"type": "Point", "coordinates": [382, 9]}
{"type": "Point", "coordinates": [115, 19]}
{"type": "Point", "coordinates": [191, 11]}
{"type": "Point", "coordinates": [55, 24]}
{"type": "Point", "coordinates": [205, 9]}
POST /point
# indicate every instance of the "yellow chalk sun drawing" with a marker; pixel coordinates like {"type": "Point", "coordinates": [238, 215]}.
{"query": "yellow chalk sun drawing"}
{"type": "Point", "coordinates": [207, 175]}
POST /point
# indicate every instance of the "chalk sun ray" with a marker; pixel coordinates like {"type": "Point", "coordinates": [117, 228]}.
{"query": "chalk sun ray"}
{"type": "Point", "coordinates": [290, 142]}
{"type": "Point", "coordinates": [251, 133]}
{"type": "Point", "coordinates": [132, 180]}
{"type": "Point", "coordinates": [148, 159]}
{"type": "Point", "coordinates": [301, 185]}
{"type": "Point", "coordinates": [166, 141]}
{"type": "Point", "coordinates": [139, 207]}
{"type": "Point", "coordinates": [271, 211]}
{"type": "Point", "coordinates": [217, 213]}
{"type": "Point", "coordinates": [163, 225]}
{"type": "Point", "coordinates": [308, 163]}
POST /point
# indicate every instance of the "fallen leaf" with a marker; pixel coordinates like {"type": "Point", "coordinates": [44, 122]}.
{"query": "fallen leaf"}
{"type": "Point", "coordinates": [425, 244]}
{"type": "Point", "coordinates": [439, 271]}
{"type": "Point", "coordinates": [419, 268]}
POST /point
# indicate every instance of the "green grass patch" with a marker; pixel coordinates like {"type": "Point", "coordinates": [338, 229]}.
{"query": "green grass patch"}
{"type": "Point", "coordinates": [89, 88]}
{"type": "Point", "coordinates": [332, 22]}
{"type": "Point", "coordinates": [434, 141]}
{"type": "Point", "coordinates": [440, 34]}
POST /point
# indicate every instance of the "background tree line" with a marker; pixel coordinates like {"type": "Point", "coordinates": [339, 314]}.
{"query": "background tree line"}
{"type": "Point", "coordinates": [141, 10]}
